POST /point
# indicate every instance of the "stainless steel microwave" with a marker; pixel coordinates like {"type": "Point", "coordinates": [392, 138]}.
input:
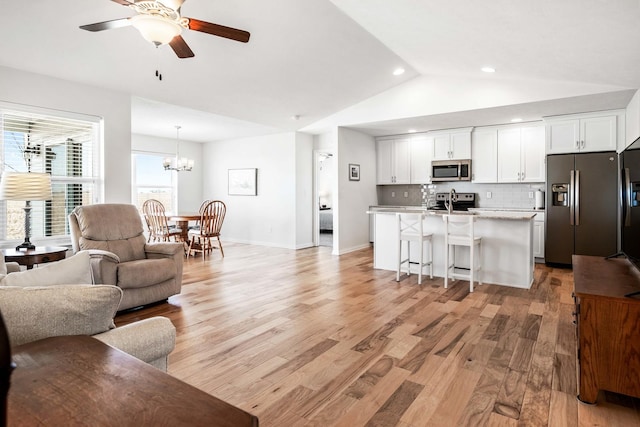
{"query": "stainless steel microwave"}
{"type": "Point", "coordinates": [451, 170]}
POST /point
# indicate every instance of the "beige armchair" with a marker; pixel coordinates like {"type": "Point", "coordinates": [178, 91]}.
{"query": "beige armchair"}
{"type": "Point", "coordinates": [36, 312]}
{"type": "Point", "coordinates": [113, 235]}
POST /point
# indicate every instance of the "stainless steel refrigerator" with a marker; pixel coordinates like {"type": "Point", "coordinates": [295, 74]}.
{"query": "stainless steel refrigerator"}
{"type": "Point", "coordinates": [630, 227]}
{"type": "Point", "coordinates": [582, 206]}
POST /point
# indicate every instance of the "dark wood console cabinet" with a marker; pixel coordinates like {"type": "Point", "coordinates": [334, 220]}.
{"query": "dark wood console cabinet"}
{"type": "Point", "coordinates": [608, 326]}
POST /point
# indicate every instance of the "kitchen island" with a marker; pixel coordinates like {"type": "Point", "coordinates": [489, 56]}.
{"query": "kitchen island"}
{"type": "Point", "coordinates": [507, 244]}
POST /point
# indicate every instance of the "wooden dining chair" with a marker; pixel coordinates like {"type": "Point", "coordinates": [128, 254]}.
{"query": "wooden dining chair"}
{"type": "Point", "coordinates": [156, 218]}
{"type": "Point", "coordinates": [196, 226]}
{"type": "Point", "coordinates": [211, 219]}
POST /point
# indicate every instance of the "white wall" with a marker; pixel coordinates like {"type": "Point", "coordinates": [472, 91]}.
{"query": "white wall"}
{"type": "Point", "coordinates": [304, 190]}
{"type": "Point", "coordinates": [632, 120]}
{"type": "Point", "coordinates": [270, 217]}
{"type": "Point", "coordinates": [354, 197]}
{"type": "Point", "coordinates": [189, 183]}
{"type": "Point", "coordinates": [113, 107]}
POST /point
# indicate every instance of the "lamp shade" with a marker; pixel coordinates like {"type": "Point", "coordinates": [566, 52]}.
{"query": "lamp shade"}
{"type": "Point", "coordinates": [156, 29]}
{"type": "Point", "coordinates": [25, 186]}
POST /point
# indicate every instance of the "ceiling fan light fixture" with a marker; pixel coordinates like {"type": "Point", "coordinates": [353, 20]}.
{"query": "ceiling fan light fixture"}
{"type": "Point", "coordinates": [156, 29]}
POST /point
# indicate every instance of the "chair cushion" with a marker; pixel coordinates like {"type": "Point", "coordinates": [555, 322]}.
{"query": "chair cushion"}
{"type": "Point", "coordinates": [147, 272]}
{"type": "Point", "coordinates": [34, 313]}
{"type": "Point", "coordinates": [113, 227]}
{"type": "Point", "coordinates": [3, 266]}
{"type": "Point", "coordinates": [69, 271]}
{"type": "Point", "coordinates": [126, 249]}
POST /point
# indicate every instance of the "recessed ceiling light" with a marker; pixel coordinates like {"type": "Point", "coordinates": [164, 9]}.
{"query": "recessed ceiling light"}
{"type": "Point", "coordinates": [398, 71]}
{"type": "Point", "coordinates": [488, 69]}
{"type": "Point", "coordinates": [411, 131]}
{"type": "Point", "coordinates": [516, 120]}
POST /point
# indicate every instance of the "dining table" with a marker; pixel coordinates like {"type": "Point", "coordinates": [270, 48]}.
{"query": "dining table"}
{"type": "Point", "coordinates": [182, 222]}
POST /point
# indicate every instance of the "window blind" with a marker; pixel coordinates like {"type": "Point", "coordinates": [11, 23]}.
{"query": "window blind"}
{"type": "Point", "coordinates": [64, 147]}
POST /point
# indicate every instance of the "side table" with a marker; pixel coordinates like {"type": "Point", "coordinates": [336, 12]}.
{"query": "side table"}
{"type": "Point", "coordinates": [39, 255]}
{"type": "Point", "coordinates": [78, 380]}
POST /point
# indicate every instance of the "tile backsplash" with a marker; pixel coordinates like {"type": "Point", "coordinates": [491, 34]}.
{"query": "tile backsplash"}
{"type": "Point", "coordinates": [502, 195]}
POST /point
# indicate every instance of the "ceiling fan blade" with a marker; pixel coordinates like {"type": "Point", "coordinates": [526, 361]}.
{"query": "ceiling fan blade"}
{"type": "Point", "coordinates": [180, 47]}
{"type": "Point", "coordinates": [123, 2]}
{"type": "Point", "coordinates": [107, 25]}
{"type": "Point", "coordinates": [219, 30]}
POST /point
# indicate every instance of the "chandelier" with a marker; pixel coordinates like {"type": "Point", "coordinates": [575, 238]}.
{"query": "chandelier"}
{"type": "Point", "coordinates": [178, 163]}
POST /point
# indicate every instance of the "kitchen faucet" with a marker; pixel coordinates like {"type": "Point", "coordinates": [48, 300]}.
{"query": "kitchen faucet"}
{"type": "Point", "coordinates": [452, 198]}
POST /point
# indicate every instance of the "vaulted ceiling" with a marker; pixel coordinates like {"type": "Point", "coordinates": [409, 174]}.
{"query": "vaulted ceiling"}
{"type": "Point", "coordinates": [314, 58]}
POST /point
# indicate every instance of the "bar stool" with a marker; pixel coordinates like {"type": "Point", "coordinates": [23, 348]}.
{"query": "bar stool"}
{"type": "Point", "coordinates": [459, 231]}
{"type": "Point", "coordinates": [410, 229]}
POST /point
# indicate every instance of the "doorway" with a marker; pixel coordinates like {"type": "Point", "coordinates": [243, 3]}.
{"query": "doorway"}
{"type": "Point", "coordinates": [323, 197]}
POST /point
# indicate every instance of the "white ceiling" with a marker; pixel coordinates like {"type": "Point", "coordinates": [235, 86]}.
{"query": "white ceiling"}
{"type": "Point", "coordinates": [313, 58]}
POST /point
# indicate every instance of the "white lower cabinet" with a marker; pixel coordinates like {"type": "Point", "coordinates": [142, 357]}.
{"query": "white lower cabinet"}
{"type": "Point", "coordinates": [538, 236]}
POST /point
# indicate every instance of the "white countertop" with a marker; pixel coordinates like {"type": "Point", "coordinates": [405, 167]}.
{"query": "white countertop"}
{"type": "Point", "coordinates": [508, 209]}
{"type": "Point", "coordinates": [478, 213]}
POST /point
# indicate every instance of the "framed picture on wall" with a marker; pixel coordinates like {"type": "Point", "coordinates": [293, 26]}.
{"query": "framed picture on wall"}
{"type": "Point", "coordinates": [243, 182]}
{"type": "Point", "coordinates": [354, 172]}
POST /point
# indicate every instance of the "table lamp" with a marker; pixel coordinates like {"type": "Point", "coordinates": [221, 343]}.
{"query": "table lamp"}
{"type": "Point", "coordinates": [25, 186]}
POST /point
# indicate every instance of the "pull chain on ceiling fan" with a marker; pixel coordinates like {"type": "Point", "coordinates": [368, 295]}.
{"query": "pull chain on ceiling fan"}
{"type": "Point", "coordinates": [160, 22]}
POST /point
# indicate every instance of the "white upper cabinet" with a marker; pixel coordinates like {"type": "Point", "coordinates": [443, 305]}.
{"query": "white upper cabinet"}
{"type": "Point", "coordinates": [384, 150]}
{"type": "Point", "coordinates": [453, 144]}
{"type": "Point", "coordinates": [598, 133]}
{"type": "Point", "coordinates": [533, 160]}
{"type": "Point", "coordinates": [441, 147]}
{"type": "Point", "coordinates": [402, 161]}
{"type": "Point", "coordinates": [509, 153]}
{"type": "Point", "coordinates": [421, 156]}
{"type": "Point", "coordinates": [521, 154]}
{"type": "Point", "coordinates": [393, 161]}
{"type": "Point", "coordinates": [583, 133]}
{"type": "Point", "coordinates": [484, 155]}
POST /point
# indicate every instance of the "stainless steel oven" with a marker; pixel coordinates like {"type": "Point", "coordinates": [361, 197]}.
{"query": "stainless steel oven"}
{"type": "Point", "coordinates": [451, 170]}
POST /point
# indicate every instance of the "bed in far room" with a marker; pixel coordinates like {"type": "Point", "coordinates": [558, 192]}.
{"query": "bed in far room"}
{"type": "Point", "coordinates": [326, 219]}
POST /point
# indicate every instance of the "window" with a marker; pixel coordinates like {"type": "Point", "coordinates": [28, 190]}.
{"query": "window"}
{"type": "Point", "coordinates": [62, 144]}
{"type": "Point", "coordinates": [151, 181]}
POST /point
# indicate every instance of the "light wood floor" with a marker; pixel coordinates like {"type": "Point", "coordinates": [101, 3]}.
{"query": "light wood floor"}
{"type": "Point", "coordinates": [304, 338]}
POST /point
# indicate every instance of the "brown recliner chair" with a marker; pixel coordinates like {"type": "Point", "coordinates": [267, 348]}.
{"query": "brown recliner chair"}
{"type": "Point", "coordinates": [113, 233]}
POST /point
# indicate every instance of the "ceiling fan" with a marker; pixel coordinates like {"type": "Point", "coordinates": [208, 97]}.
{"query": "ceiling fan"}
{"type": "Point", "coordinates": [160, 22]}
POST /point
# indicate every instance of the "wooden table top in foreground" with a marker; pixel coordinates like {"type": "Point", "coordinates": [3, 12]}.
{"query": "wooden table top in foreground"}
{"type": "Point", "coordinates": [78, 380]}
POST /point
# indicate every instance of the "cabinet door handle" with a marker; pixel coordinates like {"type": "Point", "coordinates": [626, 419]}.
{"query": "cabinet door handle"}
{"type": "Point", "coordinates": [582, 142]}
